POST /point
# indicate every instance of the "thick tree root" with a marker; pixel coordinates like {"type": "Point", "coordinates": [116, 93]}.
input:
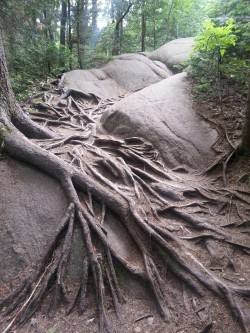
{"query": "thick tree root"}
{"type": "Point", "coordinates": [101, 174]}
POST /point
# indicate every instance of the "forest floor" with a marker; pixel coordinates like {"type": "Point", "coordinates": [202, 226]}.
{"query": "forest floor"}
{"type": "Point", "coordinates": [191, 314]}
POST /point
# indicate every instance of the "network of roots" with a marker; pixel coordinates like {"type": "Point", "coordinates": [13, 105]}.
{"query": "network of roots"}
{"type": "Point", "coordinates": [177, 221]}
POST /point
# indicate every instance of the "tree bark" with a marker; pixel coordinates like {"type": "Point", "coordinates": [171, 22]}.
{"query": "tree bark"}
{"type": "Point", "coordinates": [118, 32]}
{"type": "Point", "coordinates": [154, 25]}
{"type": "Point", "coordinates": [63, 32]}
{"type": "Point", "coordinates": [167, 20]}
{"type": "Point", "coordinates": [246, 126]}
{"type": "Point", "coordinates": [143, 26]}
{"type": "Point", "coordinates": [10, 108]}
{"type": "Point", "coordinates": [7, 99]}
{"type": "Point", "coordinates": [70, 44]}
{"type": "Point", "coordinates": [79, 32]}
{"type": "Point", "coordinates": [63, 23]}
{"type": "Point", "coordinates": [94, 27]}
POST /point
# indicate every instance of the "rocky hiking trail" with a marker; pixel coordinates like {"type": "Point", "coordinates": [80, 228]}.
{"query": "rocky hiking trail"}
{"type": "Point", "coordinates": [141, 230]}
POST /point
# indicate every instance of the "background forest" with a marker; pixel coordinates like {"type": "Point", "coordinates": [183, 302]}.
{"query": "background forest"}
{"type": "Point", "coordinates": [46, 38]}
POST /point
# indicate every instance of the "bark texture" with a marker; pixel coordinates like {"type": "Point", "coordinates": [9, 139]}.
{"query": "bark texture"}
{"type": "Point", "coordinates": [246, 126]}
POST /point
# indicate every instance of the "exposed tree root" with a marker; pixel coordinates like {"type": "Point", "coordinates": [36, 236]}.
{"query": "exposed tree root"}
{"type": "Point", "coordinates": [101, 174]}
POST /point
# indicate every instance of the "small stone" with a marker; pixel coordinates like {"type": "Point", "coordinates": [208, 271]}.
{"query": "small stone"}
{"type": "Point", "coordinates": [33, 321]}
{"type": "Point", "coordinates": [137, 329]}
{"type": "Point", "coordinates": [90, 321]}
{"type": "Point", "coordinates": [151, 320]}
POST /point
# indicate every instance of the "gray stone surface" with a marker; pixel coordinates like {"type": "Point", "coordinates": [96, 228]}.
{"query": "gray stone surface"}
{"type": "Point", "coordinates": [163, 114]}
{"type": "Point", "coordinates": [174, 52]}
{"type": "Point", "coordinates": [135, 71]}
{"type": "Point", "coordinates": [31, 206]}
{"type": "Point", "coordinates": [94, 81]}
{"type": "Point", "coordinates": [128, 72]}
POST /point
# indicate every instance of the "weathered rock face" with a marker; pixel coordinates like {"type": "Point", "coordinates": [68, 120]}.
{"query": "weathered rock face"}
{"type": "Point", "coordinates": [174, 52]}
{"type": "Point", "coordinates": [129, 72]}
{"type": "Point", "coordinates": [94, 81]}
{"type": "Point", "coordinates": [31, 206]}
{"type": "Point", "coordinates": [135, 71]}
{"type": "Point", "coordinates": [163, 114]}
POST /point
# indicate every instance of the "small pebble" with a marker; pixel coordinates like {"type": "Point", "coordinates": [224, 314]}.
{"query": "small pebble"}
{"type": "Point", "coordinates": [137, 329]}
{"type": "Point", "coordinates": [33, 321]}
{"type": "Point", "coordinates": [151, 320]}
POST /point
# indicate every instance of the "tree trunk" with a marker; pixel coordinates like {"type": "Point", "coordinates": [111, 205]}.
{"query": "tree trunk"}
{"type": "Point", "coordinates": [167, 20]}
{"type": "Point", "coordinates": [117, 45]}
{"type": "Point", "coordinates": [10, 108]}
{"type": "Point", "coordinates": [246, 126]}
{"type": "Point", "coordinates": [154, 25]}
{"type": "Point", "coordinates": [94, 28]}
{"type": "Point", "coordinates": [63, 32]}
{"type": "Point", "coordinates": [63, 23]}
{"type": "Point", "coordinates": [70, 44]}
{"type": "Point", "coordinates": [79, 32]}
{"type": "Point", "coordinates": [7, 99]}
{"type": "Point", "coordinates": [143, 26]}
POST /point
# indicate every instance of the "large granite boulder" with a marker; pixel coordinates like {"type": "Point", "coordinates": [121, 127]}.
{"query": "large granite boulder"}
{"type": "Point", "coordinates": [135, 71]}
{"type": "Point", "coordinates": [92, 82]}
{"type": "Point", "coordinates": [128, 72]}
{"type": "Point", "coordinates": [174, 52]}
{"type": "Point", "coordinates": [31, 206]}
{"type": "Point", "coordinates": [163, 114]}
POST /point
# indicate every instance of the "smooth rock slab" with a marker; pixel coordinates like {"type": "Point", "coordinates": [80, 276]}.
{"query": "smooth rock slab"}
{"type": "Point", "coordinates": [31, 206]}
{"type": "Point", "coordinates": [163, 115]}
{"type": "Point", "coordinates": [128, 72]}
{"type": "Point", "coordinates": [94, 81]}
{"type": "Point", "coordinates": [174, 52]}
{"type": "Point", "coordinates": [135, 71]}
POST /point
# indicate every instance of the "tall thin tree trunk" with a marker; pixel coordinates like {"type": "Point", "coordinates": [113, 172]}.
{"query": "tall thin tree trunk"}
{"type": "Point", "coordinates": [94, 23]}
{"type": "Point", "coordinates": [70, 45]}
{"type": "Point", "coordinates": [117, 45]}
{"type": "Point", "coordinates": [167, 20]}
{"type": "Point", "coordinates": [246, 127]}
{"type": "Point", "coordinates": [63, 23]}
{"type": "Point", "coordinates": [79, 34]}
{"type": "Point", "coordinates": [154, 27]}
{"type": "Point", "coordinates": [143, 26]}
{"type": "Point", "coordinates": [63, 32]}
{"type": "Point", "coordinates": [10, 111]}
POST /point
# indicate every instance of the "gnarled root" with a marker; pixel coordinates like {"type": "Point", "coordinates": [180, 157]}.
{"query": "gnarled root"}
{"type": "Point", "coordinates": [153, 204]}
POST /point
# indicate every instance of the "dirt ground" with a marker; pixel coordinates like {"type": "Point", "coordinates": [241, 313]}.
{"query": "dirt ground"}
{"type": "Point", "coordinates": [190, 313]}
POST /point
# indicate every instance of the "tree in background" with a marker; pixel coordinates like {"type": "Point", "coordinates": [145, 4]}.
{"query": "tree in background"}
{"type": "Point", "coordinates": [120, 10]}
{"type": "Point", "coordinates": [54, 36]}
{"type": "Point", "coordinates": [221, 59]}
{"type": "Point", "coordinates": [246, 126]}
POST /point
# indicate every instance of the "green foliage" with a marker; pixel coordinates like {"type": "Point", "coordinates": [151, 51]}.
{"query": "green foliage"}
{"type": "Point", "coordinates": [33, 50]}
{"type": "Point", "coordinates": [33, 62]}
{"type": "Point", "coordinates": [95, 58]}
{"type": "Point", "coordinates": [105, 41]}
{"type": "Point", "coordinates": [216, 39]}
{"type": "Point", "coordinates": [217, 53]}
